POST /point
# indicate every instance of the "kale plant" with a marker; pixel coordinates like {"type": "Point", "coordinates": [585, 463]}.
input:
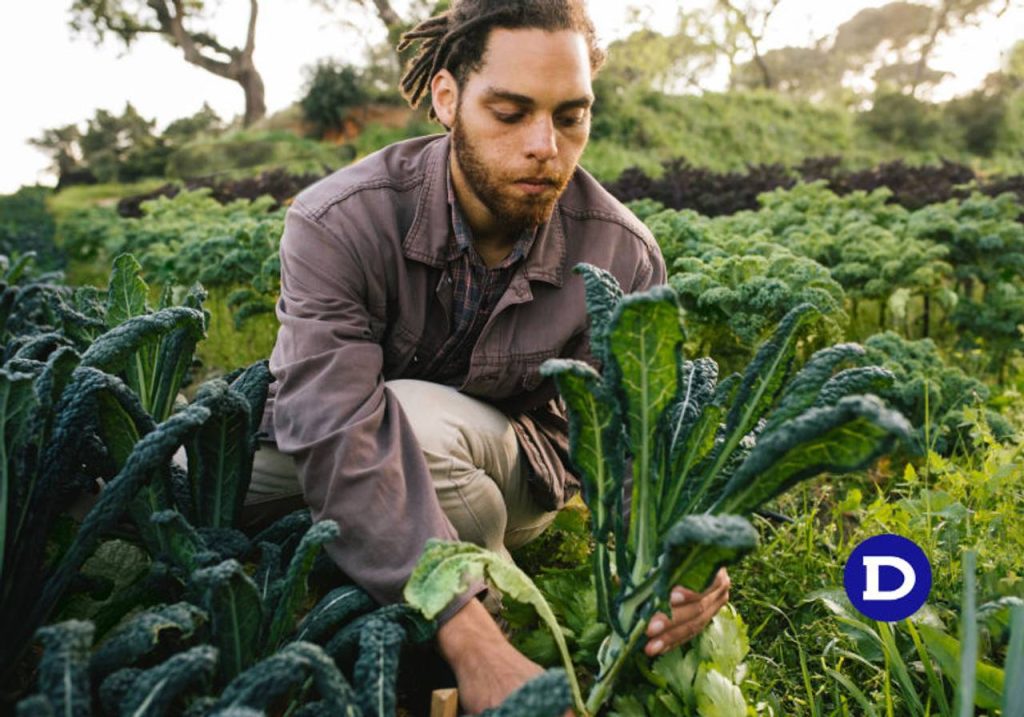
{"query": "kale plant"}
{"type": "Point", "coordinates": [703, 454]}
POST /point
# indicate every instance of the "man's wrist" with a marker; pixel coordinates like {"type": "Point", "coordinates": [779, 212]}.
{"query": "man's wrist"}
{"type": "Point", "coordinates": [468, 631]}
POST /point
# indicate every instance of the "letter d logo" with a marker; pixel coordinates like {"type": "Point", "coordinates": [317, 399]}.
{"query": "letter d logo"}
{"type": "Point", "coordinates": [887, 577]}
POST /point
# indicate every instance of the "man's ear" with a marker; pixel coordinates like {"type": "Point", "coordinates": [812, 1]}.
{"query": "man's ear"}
{"type": "Point", "coordinates": [444, 95]}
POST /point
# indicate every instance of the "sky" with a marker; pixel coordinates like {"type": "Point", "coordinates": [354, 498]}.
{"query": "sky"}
{"type": "Point", "coordinates": [50, 78]}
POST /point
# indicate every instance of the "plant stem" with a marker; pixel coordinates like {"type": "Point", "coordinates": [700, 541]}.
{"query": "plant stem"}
{"type": "Point", "coordinates": [602, 688]}
{"type": "Point", "coordinates": [602, 584]}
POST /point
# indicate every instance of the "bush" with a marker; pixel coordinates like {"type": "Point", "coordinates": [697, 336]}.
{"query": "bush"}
{"type": "Point", "coordinates": [332, 90]}
{"type": "Point", "coordinates": [248, 153]}
{"type": "Point", "coordinates": [26, 225]}
{"type": "Point", "coordinates": [720, 131]}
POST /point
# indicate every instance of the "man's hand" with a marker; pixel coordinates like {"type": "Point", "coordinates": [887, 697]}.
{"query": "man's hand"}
{"type": "Point", "coordinates": [487, 667]}
{"type": "Point", "coordinates": [691, 612]}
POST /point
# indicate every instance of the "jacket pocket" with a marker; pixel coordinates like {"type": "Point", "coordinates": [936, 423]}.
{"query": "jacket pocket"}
{"type": "Point", "coordinates": [529, 369]}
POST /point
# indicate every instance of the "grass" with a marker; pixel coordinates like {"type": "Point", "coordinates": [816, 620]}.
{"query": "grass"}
{"type": "Point", "coordinates": [61, 203]}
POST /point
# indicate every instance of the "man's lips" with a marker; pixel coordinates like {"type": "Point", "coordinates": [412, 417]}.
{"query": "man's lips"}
{"type": "Point", "coordinates": [535, 185]}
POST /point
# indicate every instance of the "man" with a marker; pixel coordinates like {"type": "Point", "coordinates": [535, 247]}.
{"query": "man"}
{"type": "Point", "coordinates": [422, 288]}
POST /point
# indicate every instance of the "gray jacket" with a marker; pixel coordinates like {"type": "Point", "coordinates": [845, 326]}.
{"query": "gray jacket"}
{"type": "Point", "coordinates": [363, 301]}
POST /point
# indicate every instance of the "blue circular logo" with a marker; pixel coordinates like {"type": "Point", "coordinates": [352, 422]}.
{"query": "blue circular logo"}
{"type": "Point", "coordinates": [887, 577]}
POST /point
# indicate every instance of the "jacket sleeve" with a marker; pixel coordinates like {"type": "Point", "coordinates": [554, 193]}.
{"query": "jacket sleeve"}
{"type": "Point", "coordinates": [357, 459]}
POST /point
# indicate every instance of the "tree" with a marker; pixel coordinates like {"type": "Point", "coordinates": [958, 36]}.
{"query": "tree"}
{"type": "Point", "coordinates": [949, 16]}
{"type": "Point", "coordinates": [205, 121]}
{"type": "Point", "coordinates": [902, 37]}
{"type": "Point", "coordinates": [130, 19]}
{"type": "Point", "coordinates": [649, 60]}
{"type": "Point", "coordinates": [805, 71]}
{"type": "Point", "coordinates": [122, 148]}
{"type": "Point", "coordinates": [62, 144]}
{"type": "Point", "coordinates": [119, 148]}
{"type": "Point", "coordinates": [385, 63]}
{"type": "Point", "coordinates": [747, 24]}
{"type": "Point", "coordinates": [333, 89]}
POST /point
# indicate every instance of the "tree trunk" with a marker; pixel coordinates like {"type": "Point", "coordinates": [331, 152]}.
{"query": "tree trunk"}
{"type": "Point", "coordinates": [926, 320]}
{"type": "Point", "coordinates": [255, 104]}
{"type": "Point", "coordinates": [766, 78]}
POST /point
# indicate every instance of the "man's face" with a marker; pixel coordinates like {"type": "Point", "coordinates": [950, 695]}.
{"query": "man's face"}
{"type": "Point", "coordinates": [522, 121]}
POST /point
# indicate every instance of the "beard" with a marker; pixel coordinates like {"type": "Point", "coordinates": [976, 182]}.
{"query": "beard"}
{"type": "Point", "coordinates": [495, 189]}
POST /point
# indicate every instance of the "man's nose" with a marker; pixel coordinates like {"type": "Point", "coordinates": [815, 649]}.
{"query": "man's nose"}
{"type": "Point", "coordinates": [541, 143]}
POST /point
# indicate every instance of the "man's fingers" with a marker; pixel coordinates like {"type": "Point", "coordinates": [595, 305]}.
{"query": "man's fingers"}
{"type": "Point", "coordinates": [691, 612]}
{"type": "Point", "coordinates": [690, 608]}
{"type": "Point", "coordinates": [688, 620]}
{"type": "Point", "coordinates": [682, 594]}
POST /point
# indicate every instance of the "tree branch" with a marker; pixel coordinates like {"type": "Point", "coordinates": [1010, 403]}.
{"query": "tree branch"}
{"type": "Point", "coordinates": [250, 36]}
{"type": "Point", "coordinates": [183, 39]}
{"type": "Point", "coordinates": [387, 14]}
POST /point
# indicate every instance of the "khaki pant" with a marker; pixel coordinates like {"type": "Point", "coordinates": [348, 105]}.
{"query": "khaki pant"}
{"type": "Point", "coordinates": [478, 470]}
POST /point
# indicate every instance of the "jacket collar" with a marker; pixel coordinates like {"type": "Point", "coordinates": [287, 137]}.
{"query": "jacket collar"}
{"type": "Point", "coordinates": [428, 236]}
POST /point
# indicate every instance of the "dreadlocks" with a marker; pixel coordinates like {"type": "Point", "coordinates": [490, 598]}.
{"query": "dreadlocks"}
{"type": "Point", "coordinates": [455, 40]}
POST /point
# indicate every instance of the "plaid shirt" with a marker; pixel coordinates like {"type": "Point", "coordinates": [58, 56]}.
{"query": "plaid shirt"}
{"type": "Point", "coordinates": [476, 289]}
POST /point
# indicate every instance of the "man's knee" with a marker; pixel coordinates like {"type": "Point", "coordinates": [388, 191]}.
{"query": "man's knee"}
{"type": "Point", "coordinates": [447, 422]}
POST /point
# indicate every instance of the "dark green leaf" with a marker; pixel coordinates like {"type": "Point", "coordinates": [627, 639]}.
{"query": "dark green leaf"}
{"type": "Point", "coordinates": [236, 611]}
{"type": "Point", "coordinates": [645, 341]}
{"type": "Point", "coordinates": [286, 670]}
{"type": "Point", "coordinates": [802, 392]}
{"type": "Point", "coordinates": [127, 292]}
{"type": "Point", "coordinates": [220, 456]}
{"type": "Point", "coordinates": [158, 690]}
{"type": "Point", "coordinates": [63, 670]}
{"type": "Point", "coordinates": [293, 591]}
{"type": "Point", "coordinates": [846, 437]}
{"type": "Point", "coordinates": [602, 296]}
{"type": "Point", "coordinates": [334, 610]}
{"type": "Point", "coordinates": [376, 670]}
{"type": "Point", "coordinates": [698, 545]}
{"type": "Point", "coordinates": [547, 695]}
{"type": "Point", "coordinates": [143, 634]}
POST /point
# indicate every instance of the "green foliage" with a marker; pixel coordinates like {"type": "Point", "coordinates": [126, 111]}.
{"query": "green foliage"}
{"type": "Point", "coordinates": [250, 152]}
{"type": "Point", "coordinates": [192, 238]}
{"type": "Point", "coordinates": [986, 246]}
{"type": "Point", "coordinates": [734, 296]}
{"type": "Point", "coordinates": [806, 659]}
{"type": "Point", "coordinates": [113, 148]}
{"type": "Point", "coordinates": [204, 122]}
{"type": "Point", "coordinates": [63, 671]}
{"type": "Point", "coordinates": [543, 696]}
{"type": "Point", "coordinates": [902, 120]}
{"type": "Point", "coordinates": [143, 635]}
{"type": "Point", "coordinates": [332, 90]}
{"type": "Point", "coordinates": [95, 395]}
{"type": "Point", "coordinates": [70, 418]}
{"type": "Point", "coordinates": [287, 671]}
{"type": "Point", "coordinates": [704, 680]}
{"type": "Point", "coordinates": [27, 226]}
{"type": "Point", "coordinates": [931, 394]}
{"type": "Point", "coordinates": [722, 131]}
{"type": "Point", "coordinates": [693, 475]}
{"type": "Point", "coordinates": [161, 689]}
{"type": "Point", "coordinates": [952, 270]}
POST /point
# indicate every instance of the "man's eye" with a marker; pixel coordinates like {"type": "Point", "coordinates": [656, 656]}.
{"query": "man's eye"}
{"type": "Point", "coordinates": [573, 120]}
{"type": "Point", "coordinates": [509, 118]}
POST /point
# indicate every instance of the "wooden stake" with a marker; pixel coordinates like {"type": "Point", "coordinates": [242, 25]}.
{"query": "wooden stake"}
{"type": "Point", "coordinates": [444, 703]}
